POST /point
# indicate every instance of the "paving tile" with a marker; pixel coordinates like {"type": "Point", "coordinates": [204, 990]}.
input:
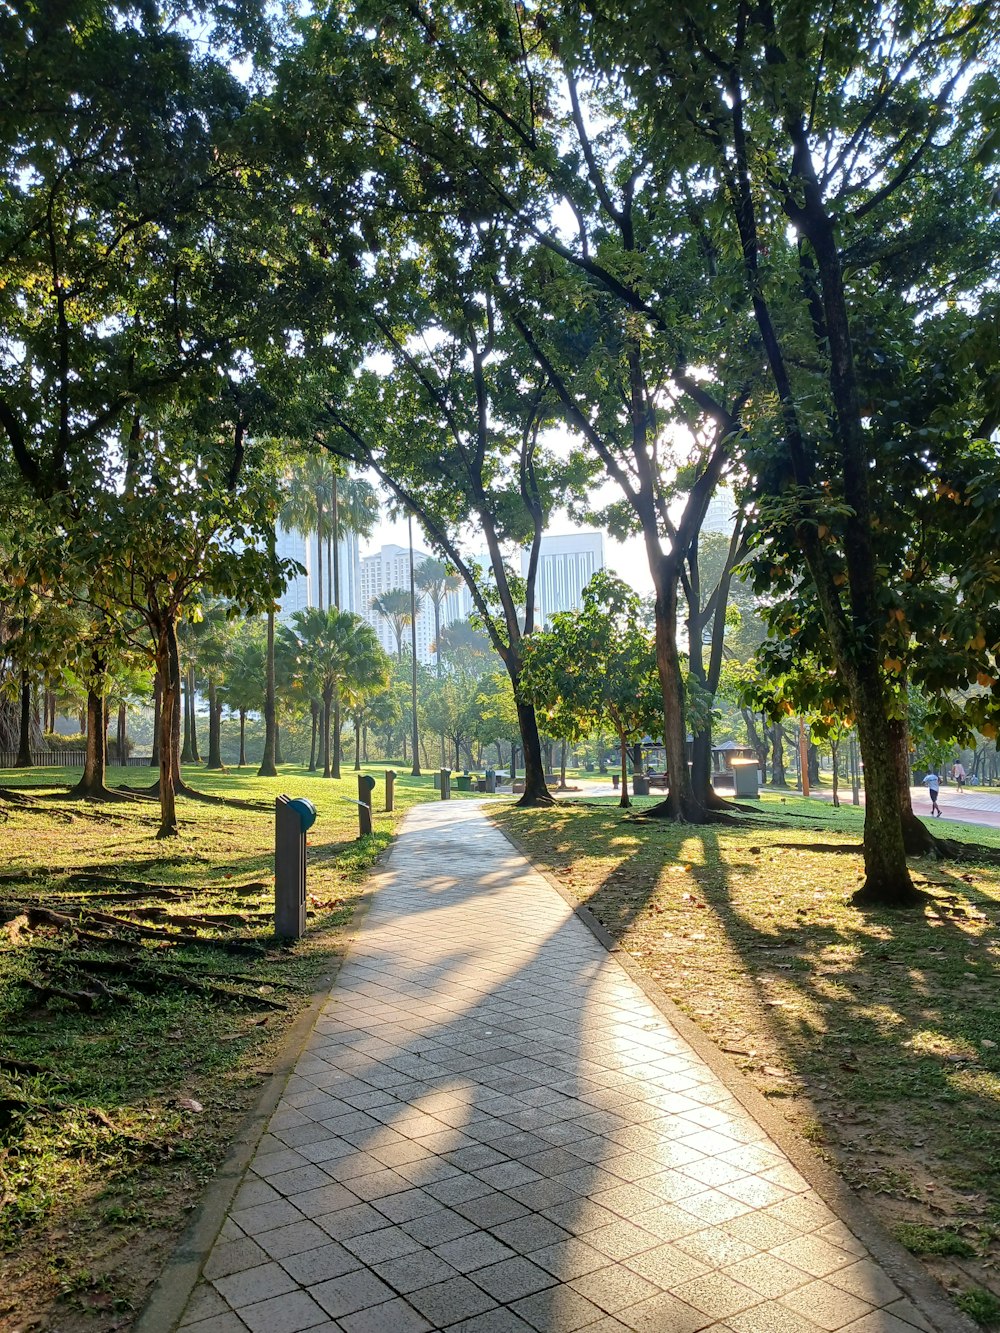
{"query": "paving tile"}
{"type": "Point", "coordinates": [766, 1274]}
{"type": "Point", "coordinates": [557, 1310]}
{"type": "Point", "coordinates": [511, 1279]}
{"type": "Point", "coordinates": [658, 1313]}
{"type": "Point", "coordinates": [376, 1246]}
{"type": "Point", "coordinates": [667, 1266]}
{"type": "Point", "coordinates": [613, 1288]}
{"type": "Point", "coordinates": [318, 1265]}
{"type": "Point", "coordinates": [254, 1284]}
{"type": "Point", "coordinates": [227, 1322]}
{"type": "Point", "coordinates": [437, 1228]}
{"type": "Point", "coordinates": [497, 1320]}
{"type": "Point", "coordinates": [418, 1268]}
{"type": "Point", "coordinates": [267, 1216]}
{"type": "Point", "coordinates": [233, 1257]}
{"type": "Point", "coordinates": [351, 1292]}
{"type": "Point", "coordinates": [476, 1250]}
{"type": "Point", "coordinates": [394, 1316]}
{"type": "Point", "coordinates": [450, 1302]}
{"type": "Point", "coordinates": [293, 1312]}
{"type": "Point", "coordinates": [294, 1239]}
{"type": "Point", "coordinates": [813, 1255]}
{"type": "Point", "coordinates": [205, 1303]}
{"type": "Point", "coordinates": [717, 1295]}
{"type": "Point", "coordinates": [826, 1305]}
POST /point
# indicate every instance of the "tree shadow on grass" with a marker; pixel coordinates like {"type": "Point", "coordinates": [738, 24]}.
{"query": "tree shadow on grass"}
{"type": "Point", "coordinates": [879, 1019]}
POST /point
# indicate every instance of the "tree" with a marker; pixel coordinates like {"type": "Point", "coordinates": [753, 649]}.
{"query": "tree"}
{"type": "Point", "coordinates": [436, 581]}
{"type": "Point", "coordinates": [335, 652]}
{"type": "Point", "coordinates": [597, 665]}
{"type": "Point", "coordinates": [243, 682]}
{"type": "Point", "coordinates": [393, 606]}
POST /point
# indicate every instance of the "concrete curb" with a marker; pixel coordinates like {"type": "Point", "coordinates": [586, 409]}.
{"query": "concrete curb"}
{"type": "Point", "coordinates": [906, 1271]}
{"type": "Point", "coordinates": [169, 1297]}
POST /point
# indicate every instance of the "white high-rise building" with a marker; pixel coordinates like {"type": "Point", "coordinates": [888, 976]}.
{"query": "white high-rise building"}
{"type": "Point", "coordinates": [304, 589]}
{"type": "Point", "coordinates": [386, 570]}
{"type": "Point", "coordinates": [565, 567]}
{"type": "Point", "coordinates": [721, 513]}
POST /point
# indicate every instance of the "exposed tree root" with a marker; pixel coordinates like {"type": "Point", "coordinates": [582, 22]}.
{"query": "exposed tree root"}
{"type": "Point", "coordinates": [74, 921]}
{"type": "Point", "coordinates": [152, 980]}
{"type": "Point", "coordinates": [206, 798]}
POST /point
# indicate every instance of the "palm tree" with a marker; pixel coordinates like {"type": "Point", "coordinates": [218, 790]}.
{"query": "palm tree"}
{"type": "Point", "coordinates": [393, 606]}
{"type": "Point", "coordinates": [354, 509]}
{"type": "Point", "coordinates": [436, 581]}
{"type": "Point", "coordinates": [331, 646]}
{"type": "Point", "coordinates": [370, 673]}
{"type": "Point", "coordinates": [243, 690]}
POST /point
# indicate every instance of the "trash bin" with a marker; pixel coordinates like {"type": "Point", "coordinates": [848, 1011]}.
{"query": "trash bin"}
{"type": "Point", "coordinates": [640, 784]}
{"type": "Point", "coordinates": [745, 778]}
{"type": "Point", "coordinates": [463, 782]}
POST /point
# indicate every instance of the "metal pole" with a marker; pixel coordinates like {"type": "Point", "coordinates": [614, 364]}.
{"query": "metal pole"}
{"type": "Point", "coordinates": [415, 771]}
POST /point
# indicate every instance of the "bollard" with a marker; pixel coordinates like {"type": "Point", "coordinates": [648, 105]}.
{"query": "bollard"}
{"type": "Point", "coordinates": [291, 820]}
{"type": "Point", "coordinates": [446, 784]}
{"type": "Point", "coordinates": [491, 782]}
{"type": "Point", "coordinates": [390, 790]}
{"type": "Point", "coordinates": [366, 785]}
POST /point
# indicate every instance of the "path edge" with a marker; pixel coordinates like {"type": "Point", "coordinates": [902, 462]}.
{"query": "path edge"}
{"type": "Point", "coordinates": [905, 1270]}
{"type": "Point", "coordinates": [165, 1305]}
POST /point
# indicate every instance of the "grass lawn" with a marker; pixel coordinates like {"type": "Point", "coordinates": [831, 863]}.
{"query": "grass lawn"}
{"type": "Point", "coordinates": [119, 1099]}
{"type": "Point", "coordinates": [876, 1034]}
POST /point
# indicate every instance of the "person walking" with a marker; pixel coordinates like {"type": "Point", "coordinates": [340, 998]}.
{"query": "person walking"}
{"type": "Point", "coordinates": [933, 784]}
{"type": "Point", "coordinates": [958, 775]}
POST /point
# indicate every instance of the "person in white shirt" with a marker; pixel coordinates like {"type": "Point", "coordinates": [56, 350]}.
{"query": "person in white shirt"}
{"type": "Point", "coordinates": [958, 774]}
{"type": "Point", "coordinates": [933, 784]}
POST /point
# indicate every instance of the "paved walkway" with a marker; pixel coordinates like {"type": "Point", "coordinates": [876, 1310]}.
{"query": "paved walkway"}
{"type": "Point", "coordinates": [493, 1129]}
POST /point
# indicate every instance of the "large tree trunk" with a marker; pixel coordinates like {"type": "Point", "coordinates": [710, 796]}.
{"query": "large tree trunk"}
{"type": "Point", "coordinates": [169, 674]}
{"type": "Point", "coordinates": [24, 728]}
{"type": "Point", "coordinates": [278, 756]}
{"type": "Point", "coordinates": [267, 764]}
{"type": "Point", "coordinates": [778, 778]}
{"type": "Point", "coordinates": [121, 738]}
{"type": "Point", "coordinates": [681, 802]}
{"type": "Point", "coordinates": [357, 746]}
{"type": "Point", "coordinates": [92, 785]}
{"type": "Point", "coordinates": [154, 758]}
{"type": "Point", "coordinates": [243, 738]}
{"type": "Point", "coordinates": [887, 879]}
{"type": "Point", "coordinates": [624, 801]}
{"type": "Point", "coordinates": [535, 790]}
{"type": "Point", "coordinates": [214, 726]}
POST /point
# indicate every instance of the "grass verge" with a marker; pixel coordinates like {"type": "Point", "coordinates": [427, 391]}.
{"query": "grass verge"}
{"type": "Point", "coordinates": [128, 1059]}
{"type": "Point", "coordinates": [876, 1033]}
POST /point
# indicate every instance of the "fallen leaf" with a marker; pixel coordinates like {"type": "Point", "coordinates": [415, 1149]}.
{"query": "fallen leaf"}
{"type": "Point", "coordinates": [189, 1104]}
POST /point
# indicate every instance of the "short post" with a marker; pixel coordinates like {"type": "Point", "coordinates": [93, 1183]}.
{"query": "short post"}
{"type": "Point", "coordinates": [366, 785]}
{"type": "Point", "coordinates": [390, 793]}
{"type": "Point", "coordinates": [292, 818]}
{"type": "Point", "coordinates": [446, 784]}
{"type": "Point", "coordinates": [491, 782]}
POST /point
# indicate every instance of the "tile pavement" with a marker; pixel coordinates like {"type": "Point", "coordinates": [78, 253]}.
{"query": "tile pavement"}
{"type": "Point", "coordinates": [492, 1129]}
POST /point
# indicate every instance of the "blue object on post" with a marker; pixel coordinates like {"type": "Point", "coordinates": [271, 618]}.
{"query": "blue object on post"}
{"type": "Point", "coordinates": [305, 810]}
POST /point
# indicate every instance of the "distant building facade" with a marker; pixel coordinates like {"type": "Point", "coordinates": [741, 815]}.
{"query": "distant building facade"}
{"type": "Point", "coordinates": [721, 513]}
{"type": "Point", "coordinates": [388, 569]}
{"type": "Point", "coordinates": [565, 567]}
{"type": "Point", "coordinates": [303, 589]}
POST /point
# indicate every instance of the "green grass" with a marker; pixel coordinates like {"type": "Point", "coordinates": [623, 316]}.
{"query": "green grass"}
{"type": "Point", "coordinates": [875, 1033]}
{"type": "Point", "coordinates": [103, 1152]}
